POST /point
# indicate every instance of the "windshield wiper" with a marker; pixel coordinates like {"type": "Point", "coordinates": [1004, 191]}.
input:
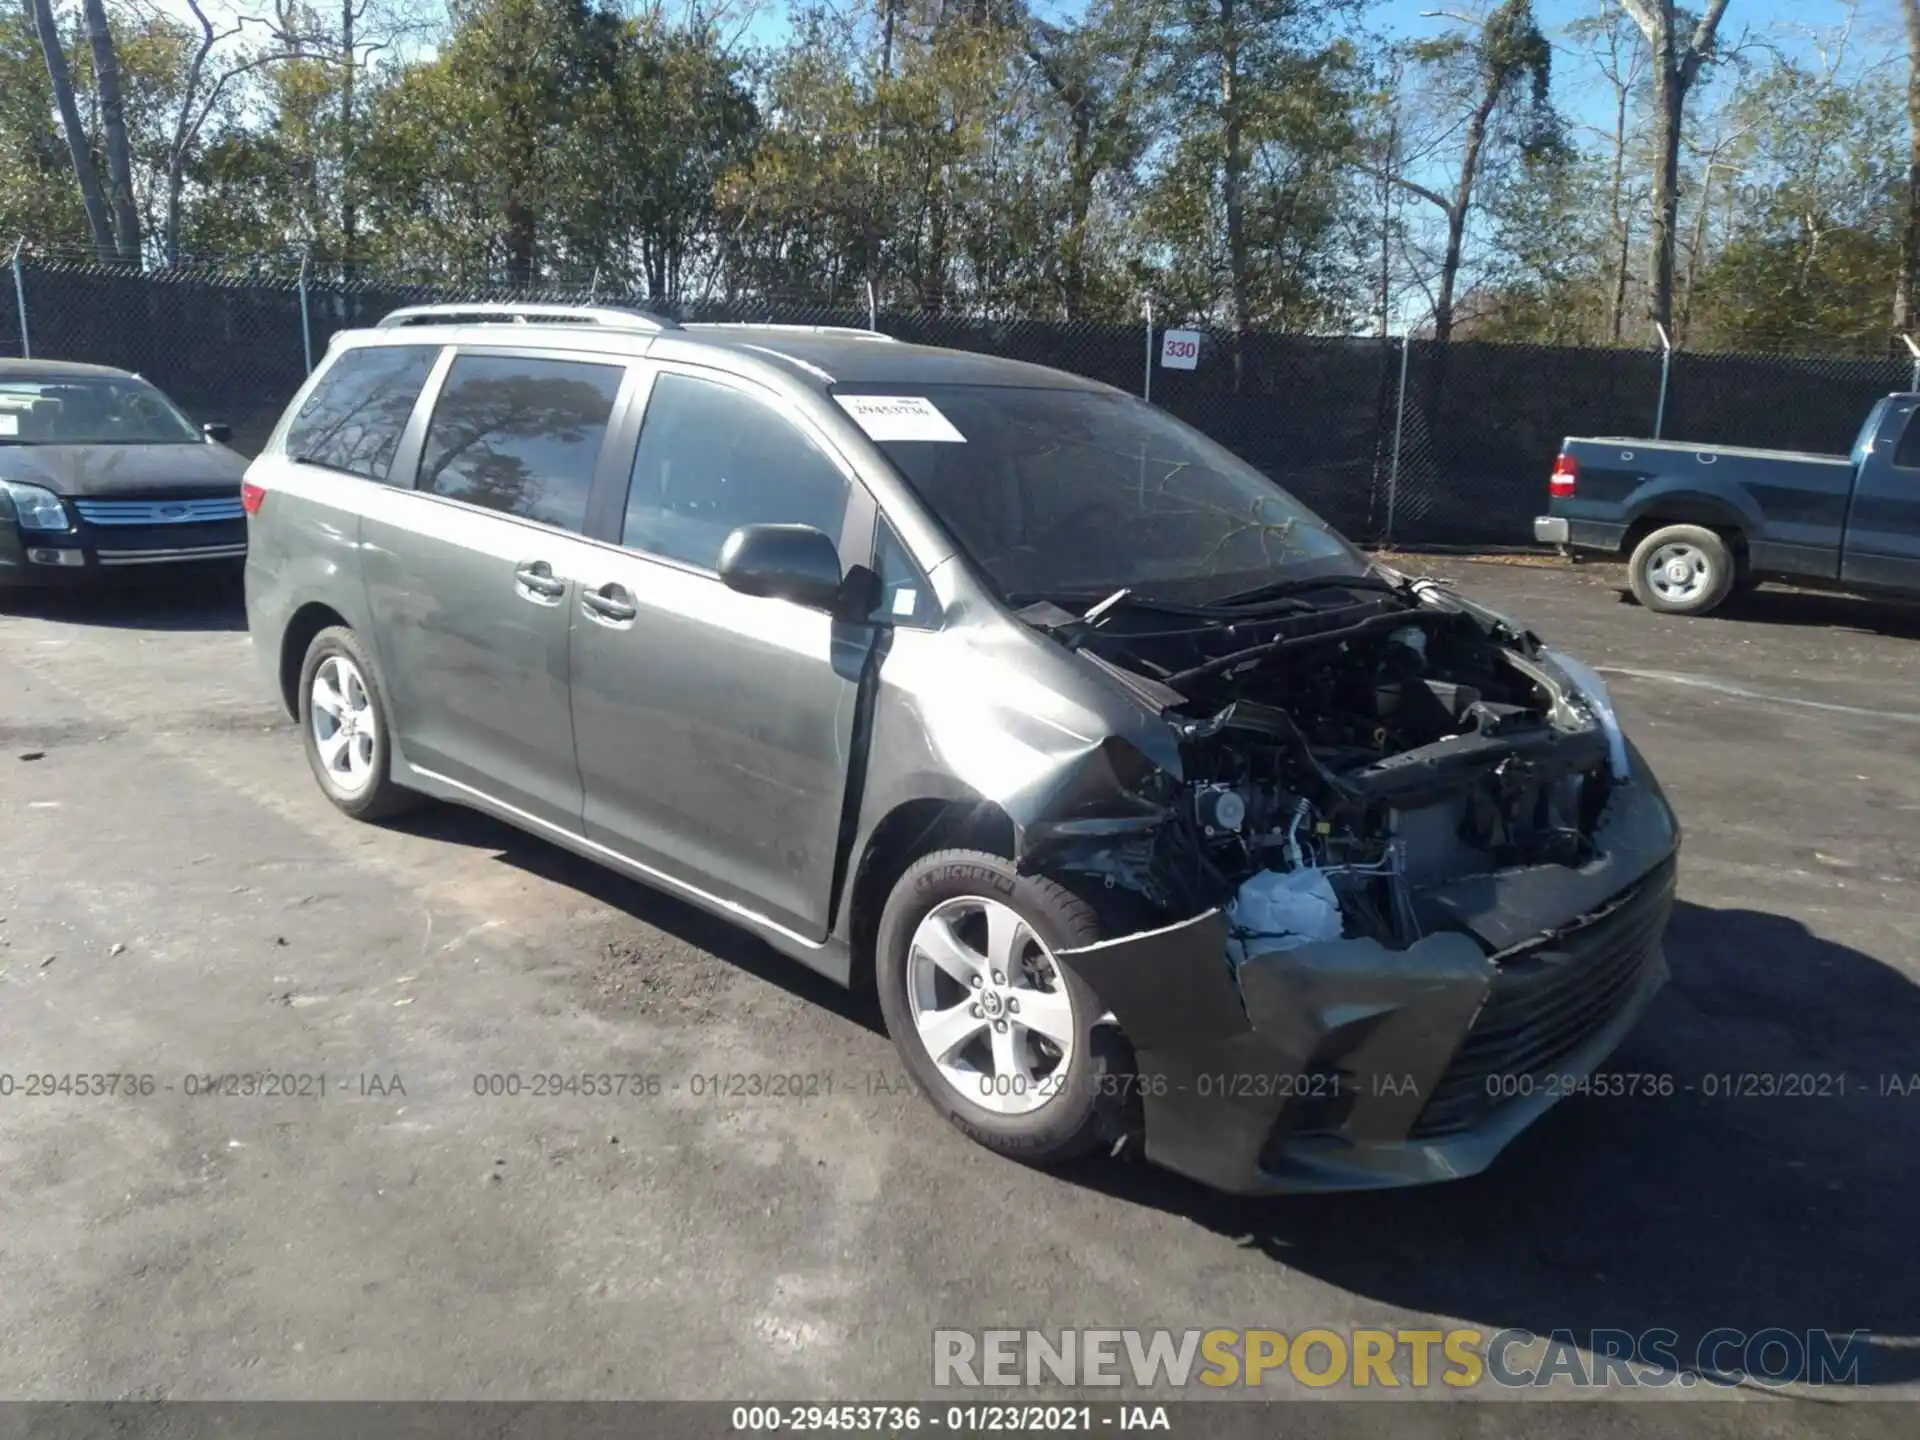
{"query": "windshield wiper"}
{"type": "Point", "coordinates": [1096, 607]}
{"type": "Point", "coordinates": [1279, 588]}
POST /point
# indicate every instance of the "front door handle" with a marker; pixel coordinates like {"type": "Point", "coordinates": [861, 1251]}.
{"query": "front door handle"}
{"type": "Point", "coordinates": [610, 602]}
{"type": "Point", "coordinates": [537, 577]}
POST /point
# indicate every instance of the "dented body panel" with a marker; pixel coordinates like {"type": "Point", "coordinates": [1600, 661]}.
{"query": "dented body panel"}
{"type": "Point", "coordinates": [1313, 1067]}
{"type": "Point", "coordinates": [1264, 1067]}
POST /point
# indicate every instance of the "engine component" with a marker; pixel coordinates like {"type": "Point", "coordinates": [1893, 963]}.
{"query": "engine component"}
{"type": "Point", "coordinates": [1221, 809]}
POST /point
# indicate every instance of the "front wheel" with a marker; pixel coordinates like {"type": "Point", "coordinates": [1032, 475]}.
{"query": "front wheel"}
{"type": "Point", "coordinates": [997, 1033]}
{"type": "Point", "coordinates": [1682, 570]}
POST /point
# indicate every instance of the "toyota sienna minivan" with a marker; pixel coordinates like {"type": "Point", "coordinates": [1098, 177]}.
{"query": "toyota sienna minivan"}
{"type": "Point", "coordinates": [1158, 817]}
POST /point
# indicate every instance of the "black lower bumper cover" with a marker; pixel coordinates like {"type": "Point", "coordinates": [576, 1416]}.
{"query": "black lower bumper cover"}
{"type": "Point", "coordinates": [120, 555]}
{"type": "Point", "coordinates": [1347, 1065]}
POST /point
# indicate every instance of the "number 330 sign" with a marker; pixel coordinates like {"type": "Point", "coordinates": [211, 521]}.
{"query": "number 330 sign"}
{"type": "Point", "coordinates": [1180, 350]}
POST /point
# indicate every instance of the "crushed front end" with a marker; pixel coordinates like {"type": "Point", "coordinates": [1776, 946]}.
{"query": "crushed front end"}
{"type": "Point", "coordinates": [1407, 890]}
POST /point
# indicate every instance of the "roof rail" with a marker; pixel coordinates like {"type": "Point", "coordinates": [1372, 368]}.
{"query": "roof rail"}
{"type": "Point", "coordinates": [508, 312]}
{"type": "Point", "coordinates": [850, 331]}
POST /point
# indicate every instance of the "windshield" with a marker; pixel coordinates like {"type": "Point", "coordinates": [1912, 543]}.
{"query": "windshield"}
{"type": "Point", "coordinates": [1070, 492]}
{"type": "Point", "coordinates": [90, 410]}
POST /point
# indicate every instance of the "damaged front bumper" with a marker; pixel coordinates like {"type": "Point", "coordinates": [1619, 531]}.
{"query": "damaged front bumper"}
{"type": "Point", "coordinates": [1349, 1065]}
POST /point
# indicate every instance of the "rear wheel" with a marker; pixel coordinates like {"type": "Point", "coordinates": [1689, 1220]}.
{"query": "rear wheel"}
{"type": "Point", "coordinates": [998, 1034]}
{"type": "Point", "coordinates": [343, 720]}
{"type": "Point", "coordinates": [1682, 570]}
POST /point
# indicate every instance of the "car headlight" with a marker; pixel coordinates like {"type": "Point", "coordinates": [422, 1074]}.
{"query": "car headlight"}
{"type": "Point", "coordinates": [35, 508]}
{"type": "Point", "coordinates": [1592, 689]}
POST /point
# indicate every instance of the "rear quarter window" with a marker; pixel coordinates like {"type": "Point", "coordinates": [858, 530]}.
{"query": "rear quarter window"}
{"type": "Point", "coordinates": [353, 419]}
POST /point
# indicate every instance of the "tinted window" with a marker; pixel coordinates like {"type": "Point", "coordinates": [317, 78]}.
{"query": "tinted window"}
{"type": "Point", "coordinates": [1081, 492]}
{"type": "Point", "coordinates": [1906, 454]}
{"type": "Point", "coordinates": [520, 436]}
{"type": "Point", "coordinates": [712, 458]}
{"type": "Point", "coordinates": [353, 419]}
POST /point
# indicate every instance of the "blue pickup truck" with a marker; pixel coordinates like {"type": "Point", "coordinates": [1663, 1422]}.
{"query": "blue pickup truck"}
{"type": "Point", "coordinates": [1699, 522]}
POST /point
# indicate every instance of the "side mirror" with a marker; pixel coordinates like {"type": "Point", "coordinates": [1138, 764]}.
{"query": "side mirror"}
{"type": "Point", "coordinates": [783, 562]}
{"type": "Point", "coordinates": [219, 432]}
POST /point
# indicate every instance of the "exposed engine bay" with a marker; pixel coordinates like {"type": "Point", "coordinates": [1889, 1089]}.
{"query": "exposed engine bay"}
{"type": "Point", "coordinates": [1345, 746]}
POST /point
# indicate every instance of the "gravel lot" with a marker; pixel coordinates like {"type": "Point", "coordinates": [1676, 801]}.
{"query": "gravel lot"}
{"type": "Point", "coordinates": [179, 900]}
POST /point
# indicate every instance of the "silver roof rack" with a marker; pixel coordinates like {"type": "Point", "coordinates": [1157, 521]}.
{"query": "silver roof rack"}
{"type": "Point", "coordinates": [850, 331]}
{"type": "Point", "coordinates": [507, 312]}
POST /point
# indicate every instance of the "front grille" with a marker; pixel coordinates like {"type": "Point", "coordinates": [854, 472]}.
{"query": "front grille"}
{"type": "Point", "coordinates": [1549, 999]}
{"type": "Point", "coordinates": [159, 512]}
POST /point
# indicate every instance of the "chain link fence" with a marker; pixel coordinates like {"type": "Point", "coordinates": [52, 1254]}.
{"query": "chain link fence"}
{"type": "Point", "coordinates": [1404, 441]}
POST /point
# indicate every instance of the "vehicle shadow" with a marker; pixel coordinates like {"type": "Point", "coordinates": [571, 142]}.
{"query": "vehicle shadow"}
{"type": "Point", "coordinates": [1818, 609]}
{"type": "Point", "coordinates": [719, 938]}
{"type": "Point", "coordinates": [1687, 1213]}
{"type": "Point", "coordinates": [201, 602]}
{"type": "Point", "coordinates": [1899, 619]}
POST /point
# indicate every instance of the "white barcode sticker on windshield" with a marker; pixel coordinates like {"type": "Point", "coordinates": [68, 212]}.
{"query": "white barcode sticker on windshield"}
{"type": "Point", "coordinates": [9, 424]}
{"type": "Point", "coordinates": [900, 417]}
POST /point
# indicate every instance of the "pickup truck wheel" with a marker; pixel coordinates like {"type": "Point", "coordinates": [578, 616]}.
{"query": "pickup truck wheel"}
{"type": "Point", "coordinates": [1681, 570]}
{"type": "Point", "coordinates": [1001, 1037]}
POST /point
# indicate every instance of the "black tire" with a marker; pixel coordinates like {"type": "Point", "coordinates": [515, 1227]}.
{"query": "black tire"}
{"type": "Point", "coordinates": [1713, 562]}
{"type": "Point", "coordinates": [380, 798]}
{"type": "Point", "coordinates": [1086, 1109]}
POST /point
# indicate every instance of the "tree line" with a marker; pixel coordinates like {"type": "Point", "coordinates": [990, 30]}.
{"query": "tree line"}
{"type": "Point", "coordinates": [1294, 165]}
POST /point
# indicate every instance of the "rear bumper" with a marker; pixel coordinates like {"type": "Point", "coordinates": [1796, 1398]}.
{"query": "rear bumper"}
{"type": "Point", "coordinates": [1347, 1065]}
{"type": "Point", "coordinates": [1579, 534]}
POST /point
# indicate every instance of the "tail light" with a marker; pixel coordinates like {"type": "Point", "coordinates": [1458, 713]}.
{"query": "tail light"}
{"type": "Point", "coordinates": [1566, 474]}
{"type": "Point", "coordinates": [253, 496]}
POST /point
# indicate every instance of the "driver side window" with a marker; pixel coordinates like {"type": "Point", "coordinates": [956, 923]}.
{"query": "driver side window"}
{"type": "Point", "coordinates": [713, 458]}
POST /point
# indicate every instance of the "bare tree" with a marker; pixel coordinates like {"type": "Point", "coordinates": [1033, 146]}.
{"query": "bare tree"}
{"type": "Point", "coordinates": [206, 82]}
{"type": "Point", "coordinates": [1675, 68]}
{"type": "Point", "coordinates": [1507, 53]}
{"type": "Point", "coordinates": [1908, 293]}
{"type": "Point", "coordinates": [1617, 52]}
{"type": "Point", "coordinates": [1093, 72]}
{"type": "Point", "coordinates": [113, 133]}
{"type": "Point", "coordinates": [79, 144]}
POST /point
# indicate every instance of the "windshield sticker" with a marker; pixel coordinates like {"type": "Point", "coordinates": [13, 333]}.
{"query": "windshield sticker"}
{"type": "Point", "coordinates": [900, 417]}
{"type": "Point", "coordinates": [9, 424]}
{"type": "Point", "coordinates": [906, 600]}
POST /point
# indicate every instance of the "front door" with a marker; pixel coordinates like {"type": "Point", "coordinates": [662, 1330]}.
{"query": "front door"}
{"type": "Point", "coordinates": [471, 581]}
{"type": "Point", "coordinates": [715, 729]}
{"type": "Point", "coordinates": [1883, 527]}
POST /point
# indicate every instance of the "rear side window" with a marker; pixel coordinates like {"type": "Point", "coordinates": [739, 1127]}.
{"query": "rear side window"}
{"type": "Point", "coordinates": [1906, 455]}
{"type": "Point", "coordinates": [520, 436]}
{"type": "Point", "coordinates": [713, 458]}
{"type": "Point", "coordinates": [353, 419]}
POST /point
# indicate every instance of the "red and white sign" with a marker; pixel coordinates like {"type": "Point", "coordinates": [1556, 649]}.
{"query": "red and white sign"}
{"type": "Point", "coordinates": [1180, 350]}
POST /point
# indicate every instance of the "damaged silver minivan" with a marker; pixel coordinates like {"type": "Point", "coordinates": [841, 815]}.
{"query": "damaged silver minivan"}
{"type": "Point", "coordinates": [1158, 816]}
